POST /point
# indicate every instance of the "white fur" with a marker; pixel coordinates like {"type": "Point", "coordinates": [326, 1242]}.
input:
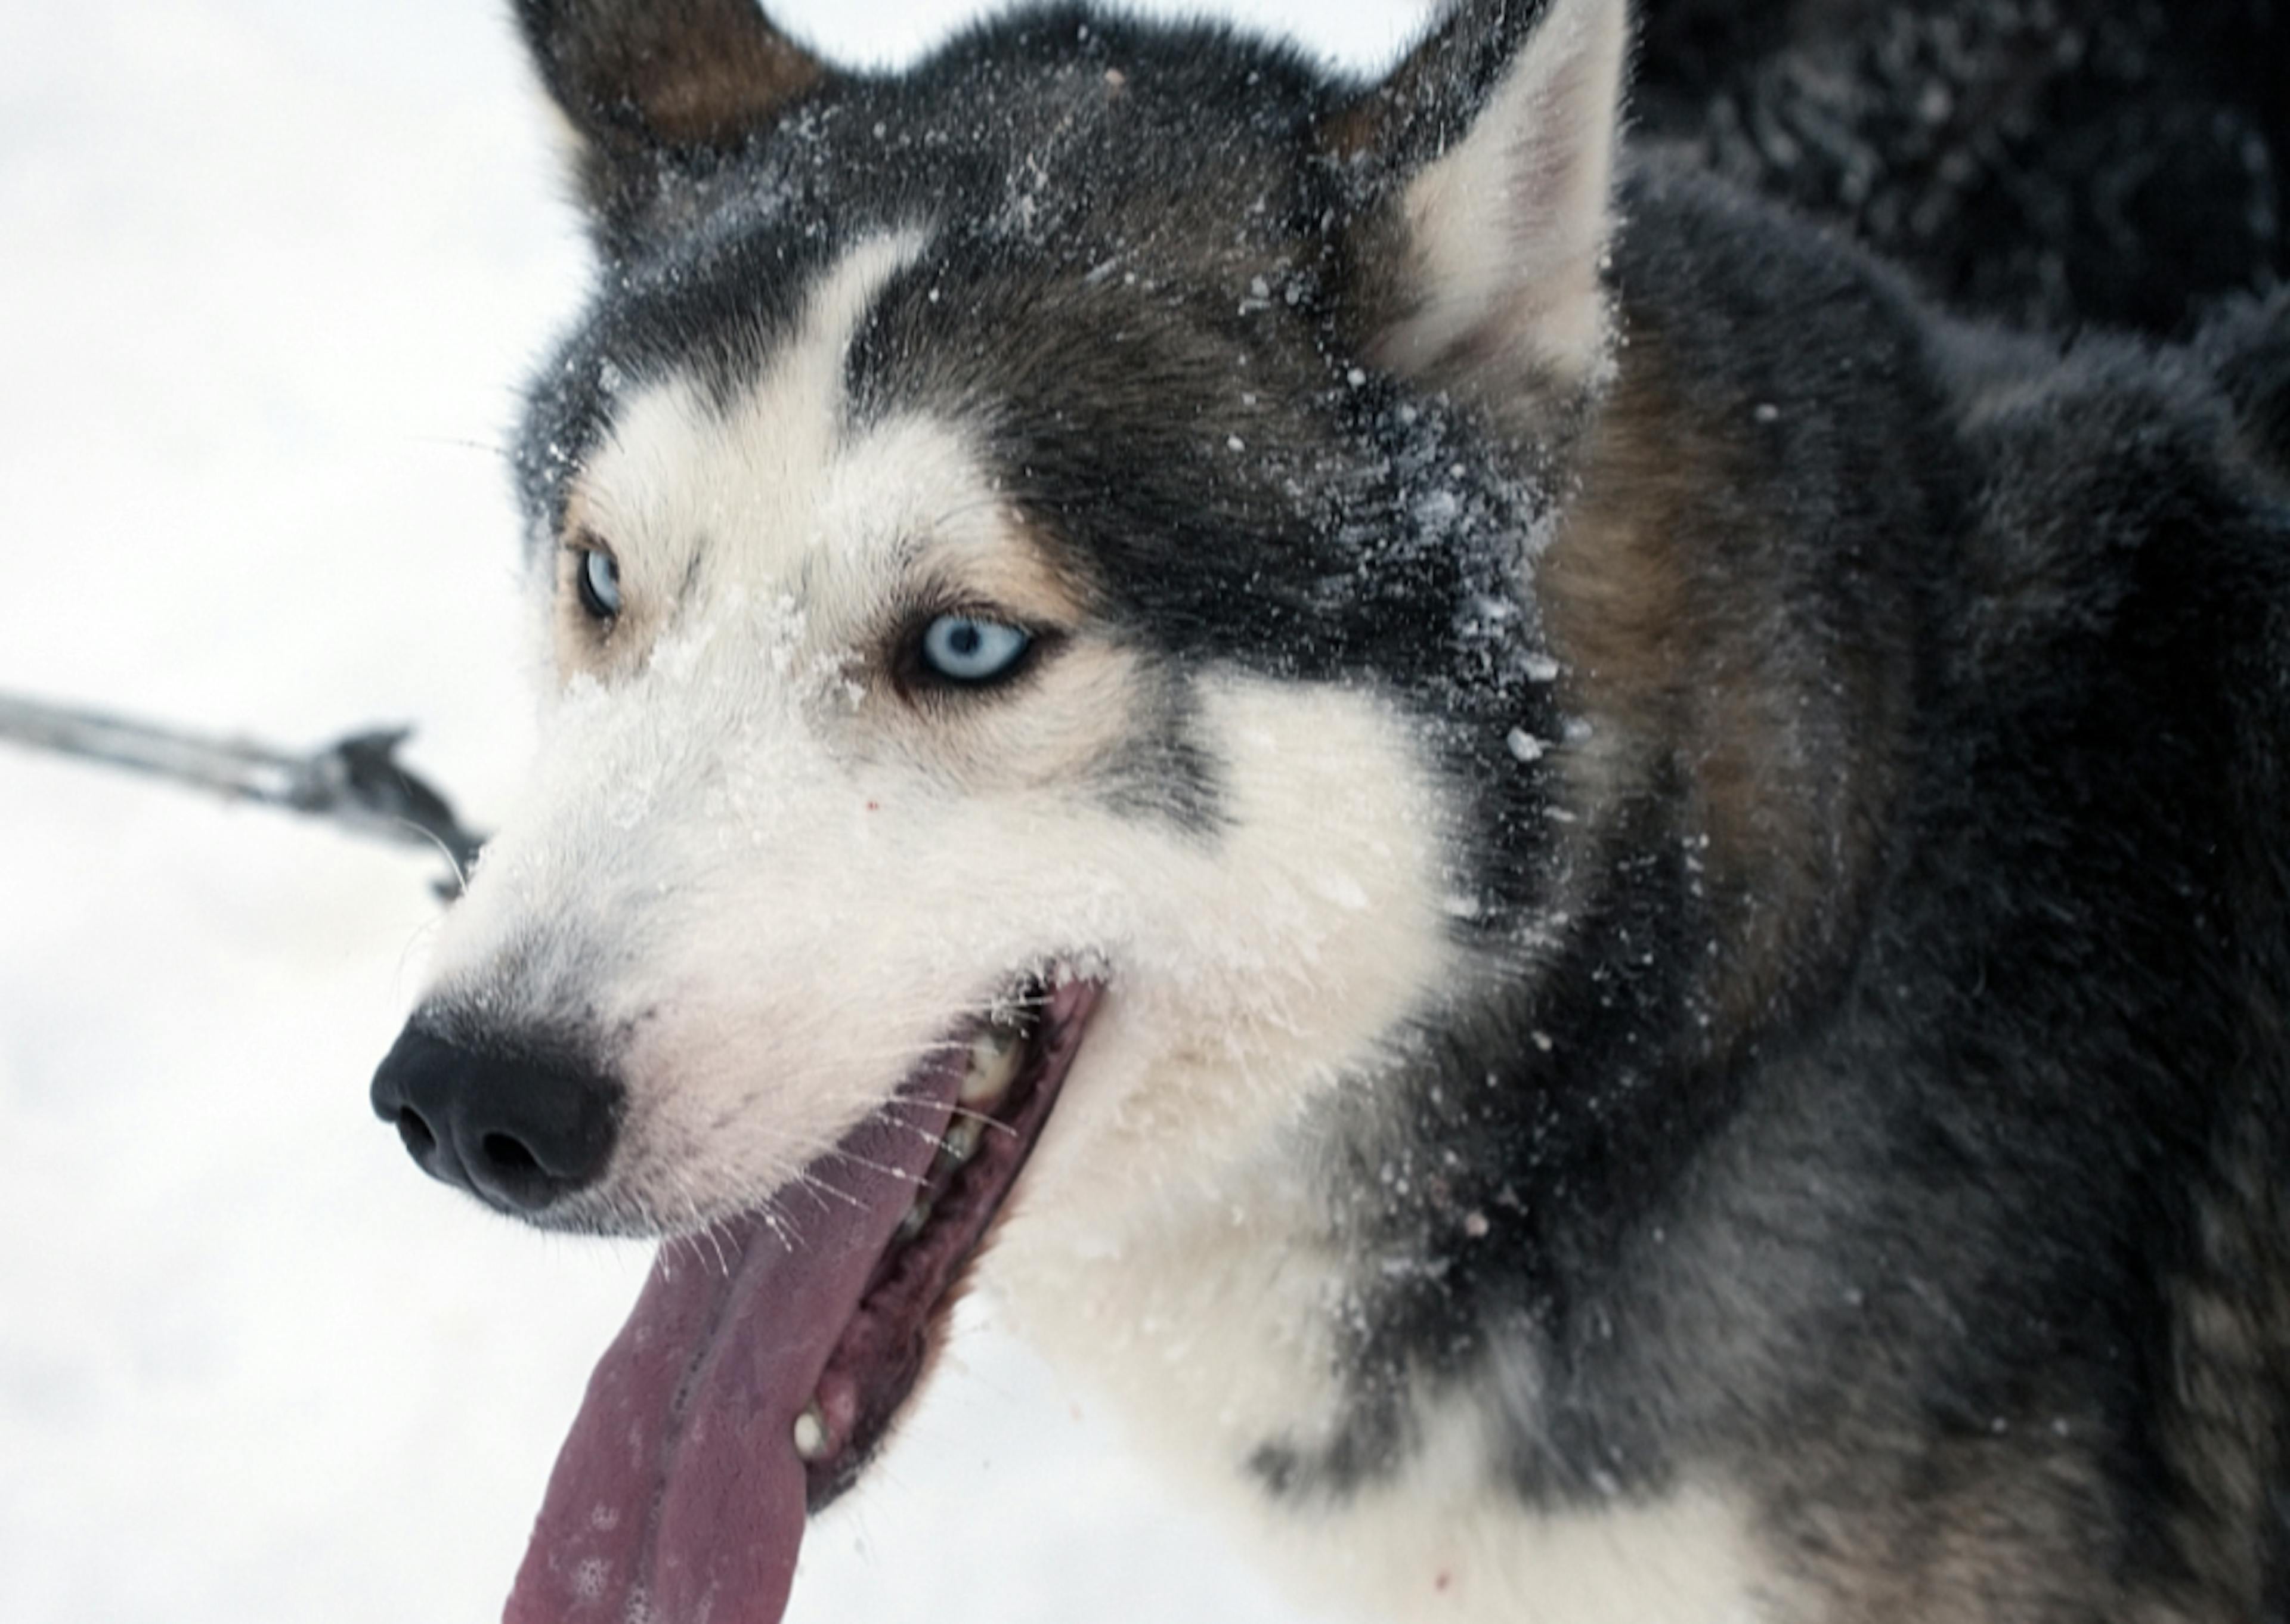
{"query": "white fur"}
{"type": "Point", "coordinates": [1509, 227]}
{"type": "Point", "coordinates": [767, 485]}
{"type": "Point", "coordinates": [1168, 1247]}
{"type": "Point", "coordinates": [1441, 1540]}
{"type": "Point", "coordinates": [738, 852]}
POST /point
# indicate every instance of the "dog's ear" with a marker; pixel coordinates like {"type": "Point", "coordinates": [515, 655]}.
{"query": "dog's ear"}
{"type": "Point", "coordinates": [1484, 164]}
{"type": "Point", "coordinates": [658, 90]}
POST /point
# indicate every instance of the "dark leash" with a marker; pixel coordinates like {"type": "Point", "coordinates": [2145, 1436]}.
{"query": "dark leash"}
{"type": "Point", "coordinates": [357, 782]}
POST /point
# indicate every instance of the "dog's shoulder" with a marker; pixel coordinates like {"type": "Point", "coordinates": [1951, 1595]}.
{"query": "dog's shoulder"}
{"type": "Point", "coordinates": [1798, 418]}
{"type": "Point", "coordinates": [1962, 660]}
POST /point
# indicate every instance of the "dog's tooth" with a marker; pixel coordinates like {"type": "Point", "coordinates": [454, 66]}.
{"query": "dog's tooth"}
{"type": "Point", "coordinates": [917, 1215]}
{"type": "Point", "coordinates": [993, 1062]}
{"type": "Point", "coordinates": [811, 1433]}
{"type": "Point", "coordinates": [961, 1141]}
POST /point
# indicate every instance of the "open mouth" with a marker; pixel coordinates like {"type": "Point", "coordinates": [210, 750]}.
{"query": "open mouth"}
{"type": "Point", "coordinates": [767, 1358]}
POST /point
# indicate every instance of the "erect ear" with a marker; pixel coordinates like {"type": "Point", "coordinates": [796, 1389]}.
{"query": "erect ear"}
{"type": "Point", "coordinates": [660, 90]}
{"type": "Point", "coordinates": [1487, 159]}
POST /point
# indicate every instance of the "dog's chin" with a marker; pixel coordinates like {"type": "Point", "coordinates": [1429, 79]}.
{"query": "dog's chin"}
{"type": "Point", "coordinates": [771, 1353]}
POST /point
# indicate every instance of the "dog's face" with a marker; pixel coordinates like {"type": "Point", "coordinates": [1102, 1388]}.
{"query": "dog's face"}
{"type": "Point", "coordinates": [901, 371]}
{"type": "Point", "coordinates": [852, 740]}
{"type": "Point", "coordinates": [1029, 553]}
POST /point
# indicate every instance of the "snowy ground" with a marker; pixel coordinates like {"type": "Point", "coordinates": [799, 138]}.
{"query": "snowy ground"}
{"type": "Point", "coordinates": [270, 272]}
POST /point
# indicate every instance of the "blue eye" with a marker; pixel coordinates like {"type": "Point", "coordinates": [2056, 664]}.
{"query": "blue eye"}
{"type": "Point", "coordinates": [599, 580]}
{"type": "Point", "coordinates": [963, 649]}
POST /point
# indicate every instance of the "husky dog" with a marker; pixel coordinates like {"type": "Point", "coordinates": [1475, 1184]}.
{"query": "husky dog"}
{"type": "Point", "coordinates": [1599, 911]}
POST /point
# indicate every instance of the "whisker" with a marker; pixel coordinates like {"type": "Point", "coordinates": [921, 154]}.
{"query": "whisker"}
{"type": "Point", "coordinates": [459, 443]}
{"type": "Point", "coordinates": [817, 1187]}
{"type": "Point", "coordinates": [774, 1221]}
{"type": "Point", "coordinates": [460, 874]}
{"type": "Point", "coordinates": [984, 1119]}
{"type": "Point", "coordinates": [899, 1173]}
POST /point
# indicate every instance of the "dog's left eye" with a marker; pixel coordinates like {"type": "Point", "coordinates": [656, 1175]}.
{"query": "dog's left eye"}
{"type": "Point", "coordinates": [963, 649]}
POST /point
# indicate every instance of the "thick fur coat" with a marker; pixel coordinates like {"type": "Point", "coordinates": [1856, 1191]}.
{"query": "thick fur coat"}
{"type": "Point", "coordinates": [1649, 878]}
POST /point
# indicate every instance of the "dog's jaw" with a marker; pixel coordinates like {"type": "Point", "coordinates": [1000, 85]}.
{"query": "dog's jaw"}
{"type": "Point", "coordinates": [764, 1362]}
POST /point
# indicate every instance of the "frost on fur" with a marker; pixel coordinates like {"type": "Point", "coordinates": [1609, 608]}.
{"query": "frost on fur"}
{"type": "Point", "coordinates": [1504, 176]}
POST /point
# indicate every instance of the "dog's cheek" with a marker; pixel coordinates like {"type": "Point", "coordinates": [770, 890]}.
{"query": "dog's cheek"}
{"type": "Point", "coordinates": [1265, 959]}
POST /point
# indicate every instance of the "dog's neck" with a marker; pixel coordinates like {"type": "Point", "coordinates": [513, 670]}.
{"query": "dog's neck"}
{"type": "Point", "coordinates": [1774, 744]}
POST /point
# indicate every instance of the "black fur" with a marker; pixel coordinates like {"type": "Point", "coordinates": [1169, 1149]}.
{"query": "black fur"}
{"type": "Point", "coordinates": [2053, 162]}
{"type": "Point", "coordinates": [1942, 1208]}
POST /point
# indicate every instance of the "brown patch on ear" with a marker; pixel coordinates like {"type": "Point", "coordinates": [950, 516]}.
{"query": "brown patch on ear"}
{"type": "Point", "coordinates": [701, 72]}
{"type": "Point", "coordinates": [1349, 134]}
{"type": "Point", "coordinates": [1664, 594]}
{"type": "Point", "coordinates": [641, 80]}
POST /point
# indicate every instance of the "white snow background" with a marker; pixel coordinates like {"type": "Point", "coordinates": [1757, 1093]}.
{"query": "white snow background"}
{"type": "Point", "coordinates": [271, 272]}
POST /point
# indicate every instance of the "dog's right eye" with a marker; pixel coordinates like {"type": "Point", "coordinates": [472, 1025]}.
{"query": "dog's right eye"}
{"type": "Point", "coordinates": [970, 651]}
{"type": "Point", "coordinates": [599, 578]}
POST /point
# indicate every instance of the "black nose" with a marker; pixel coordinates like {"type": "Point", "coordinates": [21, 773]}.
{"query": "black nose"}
{"type": "Point", "coordinates": [511, 1127]}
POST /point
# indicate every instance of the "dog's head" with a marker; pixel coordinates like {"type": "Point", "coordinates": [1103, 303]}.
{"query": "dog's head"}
{"type": "Point", "coordinates": [1034, 559]}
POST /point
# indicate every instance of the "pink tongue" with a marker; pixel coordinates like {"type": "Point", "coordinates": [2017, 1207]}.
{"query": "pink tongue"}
{"type": "Point", "coordinates": [679, 1499]}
